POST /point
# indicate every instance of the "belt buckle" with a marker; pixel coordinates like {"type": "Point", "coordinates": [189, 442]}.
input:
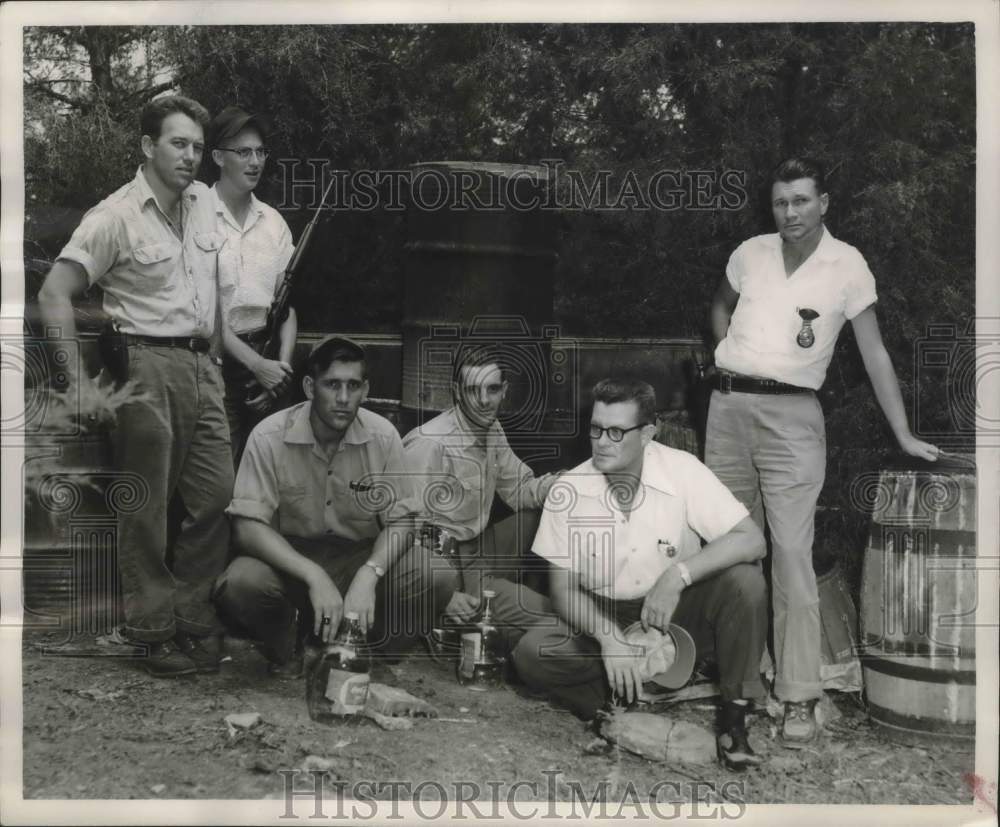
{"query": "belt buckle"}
{"type": "Point", "coordinates": [725, 382]}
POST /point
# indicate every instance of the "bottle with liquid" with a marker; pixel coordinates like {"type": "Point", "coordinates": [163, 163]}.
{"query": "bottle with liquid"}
{"type": "Point", "coordinates": [337, 682]}
{"type": "Point", "coordinates": [481, 660]}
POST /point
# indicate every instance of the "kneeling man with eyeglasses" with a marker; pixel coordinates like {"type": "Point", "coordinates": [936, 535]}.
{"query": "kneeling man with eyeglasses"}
{"type": "Point", "coordinates": [623, 535]}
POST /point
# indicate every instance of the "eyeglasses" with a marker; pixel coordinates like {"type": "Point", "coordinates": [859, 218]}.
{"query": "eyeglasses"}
{"type": "Point", "coordinates": [614, 434]}
{"type": "Point", "coordinates": [244, 152]}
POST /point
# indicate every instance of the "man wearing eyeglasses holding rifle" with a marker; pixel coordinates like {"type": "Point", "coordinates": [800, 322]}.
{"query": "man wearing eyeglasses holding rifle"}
{"type": "Point", "coordinates": [252, 262]}
{"type": "Point", "coordinates": [622, 533]}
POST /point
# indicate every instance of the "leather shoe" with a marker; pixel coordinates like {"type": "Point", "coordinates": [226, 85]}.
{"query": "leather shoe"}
{"type": "Point", "coordinates": [798, 729]}
{"type": "Point", "coordinates": [292, 669]}
{"type": "Point", "coordinates": [161, 660]}
{"type": "Point", "coordinates": [205, 652]}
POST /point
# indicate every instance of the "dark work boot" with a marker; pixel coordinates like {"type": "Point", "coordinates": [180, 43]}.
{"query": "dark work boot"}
{"type": "Point", "coordinates": [161, 660]}
{"type": "Point", "coordinates": [206, 652]}
{"type": "Point", "coordinates": [732, 745]}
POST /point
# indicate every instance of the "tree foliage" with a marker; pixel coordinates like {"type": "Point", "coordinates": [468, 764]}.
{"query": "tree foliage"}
{"type": "Point", "coordinates": [890, 107]}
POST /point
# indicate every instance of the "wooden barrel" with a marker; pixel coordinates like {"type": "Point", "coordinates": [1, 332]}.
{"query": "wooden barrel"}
{"type": "Point", "coordinates": [918, 600]}
{"type": "Point", "coordinates": [479, 271]}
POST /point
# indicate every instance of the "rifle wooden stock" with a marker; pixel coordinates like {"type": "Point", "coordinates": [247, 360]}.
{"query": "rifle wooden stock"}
{"type": "Point", "coordinates": [277, 313]}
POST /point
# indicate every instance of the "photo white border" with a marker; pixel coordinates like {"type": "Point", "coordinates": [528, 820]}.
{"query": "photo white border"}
{"type": "Point", "coordinates": [14, 16]}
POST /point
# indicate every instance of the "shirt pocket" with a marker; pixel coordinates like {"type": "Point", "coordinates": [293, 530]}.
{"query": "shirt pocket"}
{"type": "Point", "coordinates": [154, 262]}
{"type": "Point", "coordinates": [296, 507]}
{"type": "Point", "coordinates": [206, 252]}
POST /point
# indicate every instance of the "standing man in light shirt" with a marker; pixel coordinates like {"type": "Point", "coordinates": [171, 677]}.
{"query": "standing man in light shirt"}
{"type": "Point", "coordinates": [321, 523]}
{"type": "Point", "coordinates": [623, 534]}
{"type": "Point", "coordinates": [776, 317]}
{"type": "Point", "coordinates": [251, 265]}
{"type": "Point", "coordinates": [460, 460]}
{"type": "Point", "coordinates": [153, 247]}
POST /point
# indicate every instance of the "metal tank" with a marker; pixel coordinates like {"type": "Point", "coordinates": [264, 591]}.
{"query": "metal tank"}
{"type": "Point", "coordinates": [479, 269]}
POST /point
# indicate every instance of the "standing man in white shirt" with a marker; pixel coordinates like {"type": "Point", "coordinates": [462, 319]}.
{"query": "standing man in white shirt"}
{"type": "Point", "coordinates": [622, 533]}
{"type": "Point", "coordinates": [257, 249]}
{"type": "Point", "coordinates": [775, 318]}
{"type": "Point", "coordinates": [153, 247]}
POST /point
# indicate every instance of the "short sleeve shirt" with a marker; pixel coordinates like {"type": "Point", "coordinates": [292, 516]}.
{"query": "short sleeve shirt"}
{"type": "Point", "coordinates": [286, 480]}
{"type": "Point", "coordinates": [834, 281]}
{"type": "Point", "coordinates": [251, 262]}
{"type": "Point", "coordinates": [155, 283]}
{"type": "Point", "coordinates": [456, 473]}
{"type": "Point", "coordinates": [680, 502]}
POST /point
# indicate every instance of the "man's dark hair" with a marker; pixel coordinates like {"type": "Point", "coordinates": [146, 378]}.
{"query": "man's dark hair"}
{"type": "Point", "coordinates": [793, 169]}
{"type": "Point", "coordinates": [610, 391]}
{"type": "Point", "coordinates": [336, 350]}
{"type": "Point", "coordinates": [475, 356]}
{"type": "Point", "coordinates": [153, 113]}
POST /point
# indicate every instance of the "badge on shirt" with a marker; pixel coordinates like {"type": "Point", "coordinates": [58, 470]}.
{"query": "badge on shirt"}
{"type": "Point", "coordinates": [806, 337]}
{"type": "Point", "coordinates": [666, 548]}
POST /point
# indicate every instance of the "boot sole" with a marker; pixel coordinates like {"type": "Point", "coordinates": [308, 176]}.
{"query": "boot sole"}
{"type": "Point", "coordinates": [172, 674]}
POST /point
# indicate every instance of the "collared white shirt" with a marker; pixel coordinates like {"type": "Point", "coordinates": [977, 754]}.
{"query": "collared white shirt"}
{"type": "Point", "coordinates": [287, 481]}
{"type": "Point", "coordinates": [678, 503]}
{"type": "Point", "coordinates": [251, 263]}
{"type": "Point", "coordinates": [834, 281]}
{"type": "Point", "coordinates": [155, 283]}
{"type": "Point", "coordinates": [456, 473]}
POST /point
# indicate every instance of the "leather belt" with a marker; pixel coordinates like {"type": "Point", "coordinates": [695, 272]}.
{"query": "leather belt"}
{"type": "Point", "coordinates": [737, 383]}
{"type": "Point", "coordinates": [195, 343]}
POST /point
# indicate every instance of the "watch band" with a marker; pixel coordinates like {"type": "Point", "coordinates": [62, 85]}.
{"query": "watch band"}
{"type": "Point", "coordinates": [379, 571]}
{"type": "Point", "coordinates": [682, 570]}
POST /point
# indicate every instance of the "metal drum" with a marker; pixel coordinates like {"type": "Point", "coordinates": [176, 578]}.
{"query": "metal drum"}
{"type": "Point", "coordinates": [918, 600]}
{"type": "Point", "coordinates": [479, 270]}
{"type": "Point", "coordinates": [72, 502]}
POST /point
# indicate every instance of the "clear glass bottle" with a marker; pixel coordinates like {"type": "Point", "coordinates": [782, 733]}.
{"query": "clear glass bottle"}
{"type": "Point", "coordinates": [481, 660]}
{"type": "Point", "coordinates": [337, 681]}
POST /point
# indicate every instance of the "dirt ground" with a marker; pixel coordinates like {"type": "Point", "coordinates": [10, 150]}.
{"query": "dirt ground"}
{"type": "Point", "coordinates": [102, 728]}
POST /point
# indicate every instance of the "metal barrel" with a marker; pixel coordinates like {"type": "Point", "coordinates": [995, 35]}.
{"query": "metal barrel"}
{"type": "Point", "coordinates": [480, 258]}
{"type": "Point", "coordinates": [918, 601]}
{"type": "Point", "coordinates": [70, 572]}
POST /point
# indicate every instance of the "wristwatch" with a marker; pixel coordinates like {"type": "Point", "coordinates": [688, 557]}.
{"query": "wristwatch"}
{"type": "Point", "coordinates": [682, 570]}
{"type": "Point", "coordinates": [379, 571]}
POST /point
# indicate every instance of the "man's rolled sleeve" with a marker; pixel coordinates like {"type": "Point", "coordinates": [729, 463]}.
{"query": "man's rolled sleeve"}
{"type": "Point", "coordinates": [424, 461]}
{"type": "Point", "coordinates": [255, 494]}
{"type": "Point", "coordinates": [859, 292]}
{"type": "Point", "coordinates": [94, 245]}
{"type": "Point", "coordinates": [403, 501]}
{"type": "Point", "coordinates": [552, 538]}
{"type": "Point", "coordinates": [516, 482]}
{"type": "Point", "coordinates": [712, 510]}
{"type": "Point", "coordinates": [734, 269]}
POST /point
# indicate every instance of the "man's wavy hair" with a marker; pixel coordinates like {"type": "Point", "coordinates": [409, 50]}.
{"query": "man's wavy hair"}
{"type": "Point", "coordinates": [154, 113]}
{"type": "Point", "coordinates": [793, 169]}
{"type": "Point", "coordinates": [610, 391]}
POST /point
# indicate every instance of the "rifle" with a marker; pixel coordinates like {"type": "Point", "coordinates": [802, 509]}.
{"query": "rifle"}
{"type": "Point", "coordinates": [277, 313]}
